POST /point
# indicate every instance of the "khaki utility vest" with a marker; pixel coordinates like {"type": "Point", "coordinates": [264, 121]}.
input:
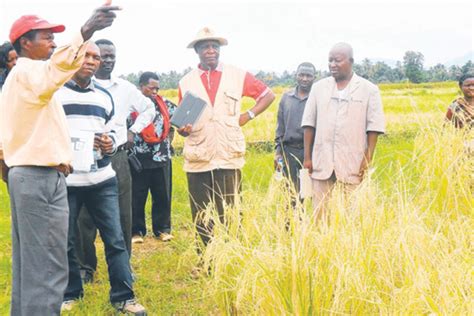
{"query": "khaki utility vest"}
{"type": "Point", "coordinates": [216, 140]}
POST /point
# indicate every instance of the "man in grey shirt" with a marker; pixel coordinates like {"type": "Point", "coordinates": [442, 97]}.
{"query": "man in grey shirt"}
{"type": "Point", "coordinates": [341, 122]}
{"type": "Point", "coordinates": [289, 133]}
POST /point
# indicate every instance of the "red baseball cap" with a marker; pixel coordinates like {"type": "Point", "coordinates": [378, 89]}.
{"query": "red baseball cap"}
{"type": "Point", "coordinates": [27, 23]}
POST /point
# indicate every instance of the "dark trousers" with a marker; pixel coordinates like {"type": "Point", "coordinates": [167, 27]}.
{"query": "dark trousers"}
{"type": "Point", "coordinates": [86, 229]}
{"type": "Point", "coordinates": [158, 182]}
{"type": "Point", "coordinates": [101, 200]}
{"type": "Point", "coordinates": [39, 212]}
{"type": "Point", "coordinates": [293, 162]}
{"type": "Point", "coordinates": [216, 187]}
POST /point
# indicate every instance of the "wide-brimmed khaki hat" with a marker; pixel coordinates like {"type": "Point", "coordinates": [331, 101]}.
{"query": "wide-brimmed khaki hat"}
{"type": "Point", "coordinates": [206, 34]}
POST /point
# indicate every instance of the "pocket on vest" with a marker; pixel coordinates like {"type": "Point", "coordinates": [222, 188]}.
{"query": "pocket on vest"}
{"type": "Point", "coordinates": [235, 140]}
{"type": "Point", "coordinates": [232, 101]}
{"type": "Point", "coordinates": [196, 148]}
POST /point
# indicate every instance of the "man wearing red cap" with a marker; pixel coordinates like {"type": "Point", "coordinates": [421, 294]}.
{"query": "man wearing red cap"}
{"type": "Point", "coordinates": [37, 150]}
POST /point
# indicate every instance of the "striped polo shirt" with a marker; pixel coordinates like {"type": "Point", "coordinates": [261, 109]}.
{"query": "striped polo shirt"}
{"type": "Point", "coordinates": [89, 109]}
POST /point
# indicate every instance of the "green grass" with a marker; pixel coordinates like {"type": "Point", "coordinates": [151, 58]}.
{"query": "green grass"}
{"type": "Point", "coordinates": [164, 284]}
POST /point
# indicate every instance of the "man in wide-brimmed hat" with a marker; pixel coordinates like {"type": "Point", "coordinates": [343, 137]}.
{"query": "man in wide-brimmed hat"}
{"type": "Point", "coordinates": [37, 148]}
{"type": "Point", "coordinates": [215, 146]}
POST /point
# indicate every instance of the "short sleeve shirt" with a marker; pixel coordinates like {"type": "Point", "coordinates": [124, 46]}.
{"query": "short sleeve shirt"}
{"type": "Point", "coordinates": [253, 87]}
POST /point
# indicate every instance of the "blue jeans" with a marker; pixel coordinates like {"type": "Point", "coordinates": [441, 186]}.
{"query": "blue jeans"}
{"type": "Point", "coordinates": [101, 200]}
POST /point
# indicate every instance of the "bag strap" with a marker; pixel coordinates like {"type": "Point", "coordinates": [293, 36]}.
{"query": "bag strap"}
{"type": "Point", "coordinates": [161, 104]}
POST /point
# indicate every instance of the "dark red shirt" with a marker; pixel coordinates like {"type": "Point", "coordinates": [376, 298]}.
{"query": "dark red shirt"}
{"type": "Point", "coordinates": [253, 87]}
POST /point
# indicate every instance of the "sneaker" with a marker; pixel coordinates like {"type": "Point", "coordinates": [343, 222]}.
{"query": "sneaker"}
{"type": "Point", "coordinates": [137, 239]}
{"type": "Point", "coordinates": [68, 305]}
{"type": "Point", "coordinates": [130, 307]}
{"type": "Point", "coordinates": [165, 237]}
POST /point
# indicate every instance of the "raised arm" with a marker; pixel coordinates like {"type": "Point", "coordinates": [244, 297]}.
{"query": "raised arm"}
{"type": "Point", "coordinates": [46, 78]}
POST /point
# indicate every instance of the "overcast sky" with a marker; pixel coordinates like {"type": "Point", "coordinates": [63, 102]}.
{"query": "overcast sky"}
{"type": "Point", "coordinates": [267, 35]}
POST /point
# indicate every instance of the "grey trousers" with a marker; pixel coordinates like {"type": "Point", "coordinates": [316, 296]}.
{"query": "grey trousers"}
{"type": "Point", "coordinates": [40, 212]}
{"type": "Point", "coordinates": [87, 231]}
{"type": "Point", "coordinates": [220, 187]}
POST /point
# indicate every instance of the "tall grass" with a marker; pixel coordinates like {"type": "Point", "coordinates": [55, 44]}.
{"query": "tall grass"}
{"type": "Point", "coordinates": [405, 248]}
{"type": "Point", "coordinates": [402, 246]}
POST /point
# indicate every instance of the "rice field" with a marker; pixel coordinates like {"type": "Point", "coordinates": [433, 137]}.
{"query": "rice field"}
{"type": "Point", "coordinates": [401, 244]}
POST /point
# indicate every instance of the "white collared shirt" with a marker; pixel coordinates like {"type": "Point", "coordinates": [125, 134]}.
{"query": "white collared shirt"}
{"type": "Point", "coordinates": [128, 99]}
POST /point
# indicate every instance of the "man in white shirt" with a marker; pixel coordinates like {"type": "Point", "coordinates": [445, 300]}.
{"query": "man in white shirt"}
{"type": "Point", "coordinates": [127, 99]}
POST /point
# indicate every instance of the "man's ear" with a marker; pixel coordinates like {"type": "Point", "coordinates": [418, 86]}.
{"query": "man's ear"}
{"type": "Point", "coordinates": [24, 43]}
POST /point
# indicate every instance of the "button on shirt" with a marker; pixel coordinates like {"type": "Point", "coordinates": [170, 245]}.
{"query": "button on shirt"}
{"type": "Point", "coordinates": [128, 99]}
{"type": "Point", "coordinates": [342, 120]}
{"type": "Point", "coordinates": [290, 114]}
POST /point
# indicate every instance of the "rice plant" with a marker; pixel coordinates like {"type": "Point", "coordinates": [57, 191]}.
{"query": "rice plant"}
{"type": "Point", "coordinates": [406, 248]}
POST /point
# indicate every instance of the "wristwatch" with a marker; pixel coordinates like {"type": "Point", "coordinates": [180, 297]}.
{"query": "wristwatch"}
{"type": "Point", "coordinates": [251, 114]}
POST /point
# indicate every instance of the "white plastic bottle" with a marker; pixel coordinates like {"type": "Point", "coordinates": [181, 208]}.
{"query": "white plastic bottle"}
{"type": "Point", "coordinates": [279, 169]}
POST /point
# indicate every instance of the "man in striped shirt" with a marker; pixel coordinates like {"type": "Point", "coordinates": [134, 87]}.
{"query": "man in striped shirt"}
{"type": "Point", "coordinates": [89, 111]}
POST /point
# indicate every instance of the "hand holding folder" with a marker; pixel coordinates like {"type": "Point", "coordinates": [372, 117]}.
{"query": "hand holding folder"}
{"type": "Point", "coordinates": [189, 111]}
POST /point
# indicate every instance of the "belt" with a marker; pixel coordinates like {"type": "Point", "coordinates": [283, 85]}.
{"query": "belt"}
{"type": "Point", "coordinates": [63, 168]}
{"type": "Point", "coordinates": [294, 145]}
{"type": "Point", "coordinates": [122, 147]}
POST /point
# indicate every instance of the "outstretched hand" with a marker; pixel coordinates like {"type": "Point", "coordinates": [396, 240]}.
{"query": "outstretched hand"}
{"type": "Point", "coordinates": [101, 18]}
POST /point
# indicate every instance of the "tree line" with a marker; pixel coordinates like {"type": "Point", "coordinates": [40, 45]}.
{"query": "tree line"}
{"type": "Point", "coordinates": [410, 69]}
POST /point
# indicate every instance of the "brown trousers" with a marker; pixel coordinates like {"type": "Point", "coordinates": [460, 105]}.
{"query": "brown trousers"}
{"type": "Point", "coordinates": [322, 192]}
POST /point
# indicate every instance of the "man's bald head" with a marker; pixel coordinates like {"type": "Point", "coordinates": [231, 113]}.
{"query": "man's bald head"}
{"type": "Point", "coordinates": [340, 61]}
{"type": "Point", "coordinates": [343, 48]}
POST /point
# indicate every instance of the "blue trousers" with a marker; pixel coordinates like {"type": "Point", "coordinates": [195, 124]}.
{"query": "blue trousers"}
{"type": "Point", "coordinates": [101, 200]}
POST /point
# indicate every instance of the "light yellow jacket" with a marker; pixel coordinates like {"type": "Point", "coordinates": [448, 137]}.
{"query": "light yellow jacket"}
{"type": "Point", "coordinates": [33, 125]}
